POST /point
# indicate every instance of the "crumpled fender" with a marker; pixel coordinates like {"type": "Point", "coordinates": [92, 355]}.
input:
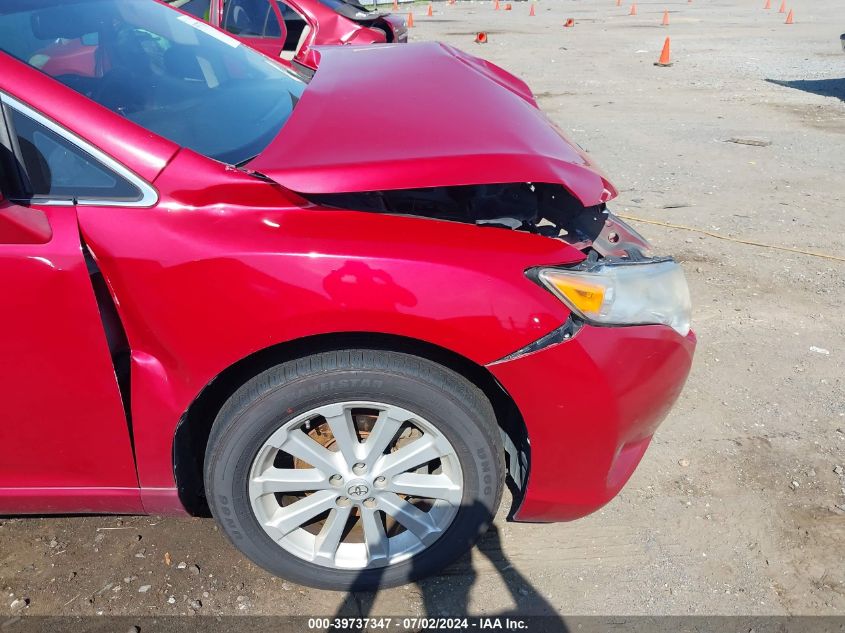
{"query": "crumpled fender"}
{"type": "Point", "coordinates": [227, 265]}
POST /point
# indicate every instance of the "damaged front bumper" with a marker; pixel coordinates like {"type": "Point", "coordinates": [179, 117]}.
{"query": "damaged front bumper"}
{"type": "Point", "coordinates": [591, 404]}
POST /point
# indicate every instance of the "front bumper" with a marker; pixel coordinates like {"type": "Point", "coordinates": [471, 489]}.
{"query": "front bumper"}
{"type": "Point", "coordinates": [591, 405]}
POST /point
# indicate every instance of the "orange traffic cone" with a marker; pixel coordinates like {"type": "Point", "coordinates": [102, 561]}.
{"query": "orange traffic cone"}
{"type": "Point", "coordinates": [570, 22]}
{"type": "Point", "coordinates": [531, 11]}
{"type": "Point", "coordinates": [430, 11]}
{"type": "Point", "coordinates": [789, 18]}
{"type": "Point", "coordinates": [633, 9]}
{"type": "Point", "coordinates": [410, 19]}
{"type": "Point", "coordinates": [782, 7]}
{"type": "Point", "coordinates": [664, 55]}
{"type": "Point", "coordinates": [481, 37]}
{"type": "Point", "coordinates": [665, 18]}
{"type": "Point", "coordinates": [768, 4]}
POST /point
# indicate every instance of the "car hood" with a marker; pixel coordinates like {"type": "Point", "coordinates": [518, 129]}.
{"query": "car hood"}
{"type": "Point", "coordinates": [421, 115]}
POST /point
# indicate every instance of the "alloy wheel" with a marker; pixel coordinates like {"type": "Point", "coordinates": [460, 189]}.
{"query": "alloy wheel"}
{"type": "Point", "coordinates": [356, 485]}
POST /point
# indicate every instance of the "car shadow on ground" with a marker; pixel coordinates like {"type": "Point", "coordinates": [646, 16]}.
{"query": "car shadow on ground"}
{"type": "Point", "coordinates": [448, 594]}
{"type": "Point", "coordinates": [824, 87]}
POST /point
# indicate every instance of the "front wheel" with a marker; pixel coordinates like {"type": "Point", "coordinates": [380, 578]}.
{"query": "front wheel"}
{"type": "Point", "coordinates": [378, 467]}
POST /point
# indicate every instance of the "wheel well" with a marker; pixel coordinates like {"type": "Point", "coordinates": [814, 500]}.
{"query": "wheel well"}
{"type": "Point", "coordinates": [191, 438]}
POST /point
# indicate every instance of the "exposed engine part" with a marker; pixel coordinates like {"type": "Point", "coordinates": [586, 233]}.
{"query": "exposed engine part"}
{"type": "Point", "coordinates": [541, 208]}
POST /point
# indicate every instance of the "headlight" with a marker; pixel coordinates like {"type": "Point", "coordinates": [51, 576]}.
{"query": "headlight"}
{"type": "Point", "coordinates": [625, 293]}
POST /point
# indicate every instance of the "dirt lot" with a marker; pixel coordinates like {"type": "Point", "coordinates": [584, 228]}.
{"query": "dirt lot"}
{"type": "Point", "coordinates": [739, 506]}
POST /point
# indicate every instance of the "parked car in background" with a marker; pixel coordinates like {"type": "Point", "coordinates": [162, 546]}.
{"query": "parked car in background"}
{"type": "Point", "coordinates": [291, 28]}
{"type": "Point", "coordinates": [219, 296]}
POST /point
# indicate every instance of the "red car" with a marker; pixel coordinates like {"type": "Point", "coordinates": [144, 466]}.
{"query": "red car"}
{"type": "Point", "coordinates": [219, 295]}
{"type": "Point", "coordinates": [290, 29]}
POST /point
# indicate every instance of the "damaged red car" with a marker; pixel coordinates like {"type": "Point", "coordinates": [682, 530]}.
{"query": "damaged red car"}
{"type": "Point", "coordinates": [221, 297]}
{"type": "Point", "coordinates": [290, 29]}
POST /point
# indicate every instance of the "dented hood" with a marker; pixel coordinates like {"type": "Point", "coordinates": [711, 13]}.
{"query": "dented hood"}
{"type": "Point", "coordinates": [420, 115]}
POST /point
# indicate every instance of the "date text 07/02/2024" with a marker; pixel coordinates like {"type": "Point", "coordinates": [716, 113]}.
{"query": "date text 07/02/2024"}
{"type": "Point", "coordinates": [417, 624]}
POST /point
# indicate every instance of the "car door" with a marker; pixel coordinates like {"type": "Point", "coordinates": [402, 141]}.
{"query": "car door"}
{"type": "Point", "coordinates": [257, 23]}
{"type": "Point", "coordinates": [64, 439]}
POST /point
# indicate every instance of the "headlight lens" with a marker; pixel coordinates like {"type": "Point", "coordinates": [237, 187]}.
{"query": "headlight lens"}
{"type": "Point", "coordinates": [625, 293]}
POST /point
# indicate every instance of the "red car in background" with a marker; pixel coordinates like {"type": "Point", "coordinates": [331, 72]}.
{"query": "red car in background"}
{"type": "Point", "coordinates": [219, 296]}
{"type": "Point", "coordinates": [291, 28]}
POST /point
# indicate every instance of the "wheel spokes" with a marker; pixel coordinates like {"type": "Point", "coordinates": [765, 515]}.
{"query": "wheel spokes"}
{"type": "Point", "coordinates": [275, 480]}
{"type": "Point", "coordinates": [287, 518]}
{"type": "Point", "coordinates": [339, 419]}
{"type": "Point", "coordinates": [419, 452]}
{"type": "Point", "coordinates": [344, 493]}
{"type": "Point", "coordinates": [328, 540]}
{"type": "Point", "coordinates": [427, 486]}
{"type": "Point", "coordinates": [383, 433]}
{"type": "Point", "coordinates": [416, 521]}
{"type": "Point", "coordinates": [300, 445]}
{"type": "Point", "coordinates": [375, 538]}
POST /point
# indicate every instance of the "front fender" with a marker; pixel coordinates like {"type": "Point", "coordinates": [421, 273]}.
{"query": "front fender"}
{"type": "Point", "coordinates": [215, 274]}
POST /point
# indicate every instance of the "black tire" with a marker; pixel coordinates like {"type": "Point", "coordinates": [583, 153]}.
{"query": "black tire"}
{"type": "Point", "coordinates": [458, 409]}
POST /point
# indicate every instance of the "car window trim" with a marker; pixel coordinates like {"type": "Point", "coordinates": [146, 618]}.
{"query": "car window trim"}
{"type": "Point", "coordinates": [12, 179]}
{"type": "Point", "coordinates": [149, 195]}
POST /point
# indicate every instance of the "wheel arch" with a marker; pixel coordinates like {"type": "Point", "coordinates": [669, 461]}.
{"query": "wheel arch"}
{"type": "Point", "coordinates": [192, 432]}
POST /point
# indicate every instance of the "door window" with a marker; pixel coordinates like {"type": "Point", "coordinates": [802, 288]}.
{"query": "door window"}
{"type": "Point", "coordinates": [251, 18]}
{"type": "Point", "coordinates": [55, 168]}
{"type": "Point", "coordinates": [294, 26]}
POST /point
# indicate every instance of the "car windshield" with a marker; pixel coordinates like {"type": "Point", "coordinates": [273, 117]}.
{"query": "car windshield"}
{"type": "Point", "coordinates": [168, 72]}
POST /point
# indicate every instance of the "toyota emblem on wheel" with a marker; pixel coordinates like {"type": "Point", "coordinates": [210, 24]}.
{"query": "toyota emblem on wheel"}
{"type": "Point", "coordinates": [358, 490]}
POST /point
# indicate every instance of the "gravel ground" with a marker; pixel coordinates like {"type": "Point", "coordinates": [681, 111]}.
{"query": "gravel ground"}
{"type": "Point", "coordinates": [739, 505]}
